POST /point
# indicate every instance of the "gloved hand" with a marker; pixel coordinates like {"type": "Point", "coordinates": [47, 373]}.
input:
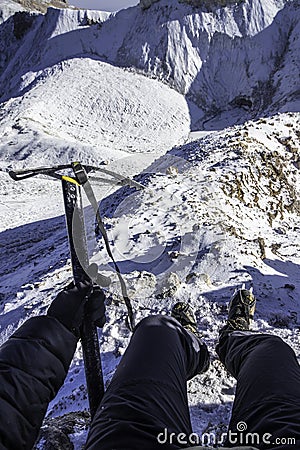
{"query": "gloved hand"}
{"type": "Point", "coordinates": [71, 304]}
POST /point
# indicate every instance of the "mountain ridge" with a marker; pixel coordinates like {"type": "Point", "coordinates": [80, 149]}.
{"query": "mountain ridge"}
{"type": "Point", "coordinates": [220, 61]}
{"type": "Point", "coordinates": [10, 7]}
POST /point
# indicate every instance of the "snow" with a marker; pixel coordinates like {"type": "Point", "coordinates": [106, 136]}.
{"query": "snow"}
{"type": "Point", "coordinates": [151, 93]}
{"type": "Point", "coordinates": [212, 57]}
{"type": "Point", "coordinates": [113, 113]}
{"type": "Point", "coordinates": [8, 8]}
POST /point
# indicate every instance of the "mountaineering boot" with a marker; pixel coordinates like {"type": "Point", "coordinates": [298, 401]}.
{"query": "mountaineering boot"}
{"type": "Point", "coordinates": [183, 312]}
{"type": "Point", "coordinates": [240, 315]}
{"type": "Point", "coordinates": [241, 310]}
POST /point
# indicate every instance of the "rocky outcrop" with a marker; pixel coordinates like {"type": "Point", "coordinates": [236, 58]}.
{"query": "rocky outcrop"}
{"type": "Point", "coordinates": [144, 4]}
{"type": "Point", "coordinates": [210, 3]}
{"type": "Point", "coordinates": [9, 7]}
{"type": "Point", "coordinates": [56, 432]}
{"type": "Point", "coordinates": [42, 5]}
{"type": "Point", "coordinates": [22, 21]}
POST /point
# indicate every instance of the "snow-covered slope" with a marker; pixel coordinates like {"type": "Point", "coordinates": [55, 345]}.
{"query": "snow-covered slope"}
{"type": "Point", "coordinates": [100, 113]}
{"type": "Point", "coordinates": [105, 110]}
{"type": "Point", "coordinates": [220, 208]}
{"type": "Point", "coordinates": [231, 64]}
{"type": "Point", "coordinates": [218, 58]}
{"type": "Point", "coordinates": [216, 213]}
{"type": "Point", "coordinates": [223, 59]}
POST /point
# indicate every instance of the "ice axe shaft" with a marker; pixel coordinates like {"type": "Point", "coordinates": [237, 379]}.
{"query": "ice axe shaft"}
{"type": "Point", "coordinates": [79, 259]}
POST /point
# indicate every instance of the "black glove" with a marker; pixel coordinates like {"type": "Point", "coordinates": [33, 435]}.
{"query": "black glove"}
{"type": "Point", "coordinates": [76, 301]}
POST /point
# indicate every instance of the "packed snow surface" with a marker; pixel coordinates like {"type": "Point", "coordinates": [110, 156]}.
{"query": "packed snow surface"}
{"type": "Point", "coordinates": [106, 114]}
{"type": "Point", "coordinates": [202, 107]}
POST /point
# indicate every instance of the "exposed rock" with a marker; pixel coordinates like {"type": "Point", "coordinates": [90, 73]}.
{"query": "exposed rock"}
{"type": "Point", "coordinates": [172, 170]}
{"type": "Point", "coordinates": [292, 287]}
{"type": "Point", "coordinates": [54, 434]}
{"type": "Point", "coordinates": [7, 10]}
{"type": "Point", "coordinates": [198, 278]}
{"type": "Point", "coordinates": [11, 7]}
{"type": "Point", "coordinates": [262, 247]}
{"type": "Point", "coordinates": [170, 286]}
{"type": "Point", "coordinates": [242, 102]}
{"type": "Point", "coordinates": [210, 3]}
{"type": "Point", "coordinates": [42, 5]}
{"type": "Point", "coordinates": [22, 23]}
{"type": "Point", "coordinates": [144, 4]}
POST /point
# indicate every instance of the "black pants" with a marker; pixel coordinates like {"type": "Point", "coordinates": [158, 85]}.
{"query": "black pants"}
{"type": "Point", "coordinates": [145, 405]}
{"type": "Point", "coordinates": [267, 401]}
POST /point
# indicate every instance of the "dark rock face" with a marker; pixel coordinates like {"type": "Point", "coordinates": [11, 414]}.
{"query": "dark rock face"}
{"type": "Point", "coordinates": [22, 23]}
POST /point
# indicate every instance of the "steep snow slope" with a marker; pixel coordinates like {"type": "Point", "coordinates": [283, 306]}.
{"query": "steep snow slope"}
{"type": "Point", "coordinates": [215, 57]}
{"type": "Point", "coordinates": [100, 113]}
{"type": "Point", "coordinates": [112, 110]}
{"type": "Point", "coordinates": [228, 59]}
{"type": "Point", "coordinates": [51, 39]}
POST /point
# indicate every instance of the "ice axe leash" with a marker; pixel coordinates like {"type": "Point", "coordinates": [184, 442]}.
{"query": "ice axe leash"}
{"type": "Point", "coordinates": [82, 177]}
{"type": "Point", "coordinates": [71, 186]}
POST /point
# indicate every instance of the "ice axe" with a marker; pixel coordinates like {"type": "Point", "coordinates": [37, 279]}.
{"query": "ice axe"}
{"type": "Point", "coordinates": [71, 186]}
